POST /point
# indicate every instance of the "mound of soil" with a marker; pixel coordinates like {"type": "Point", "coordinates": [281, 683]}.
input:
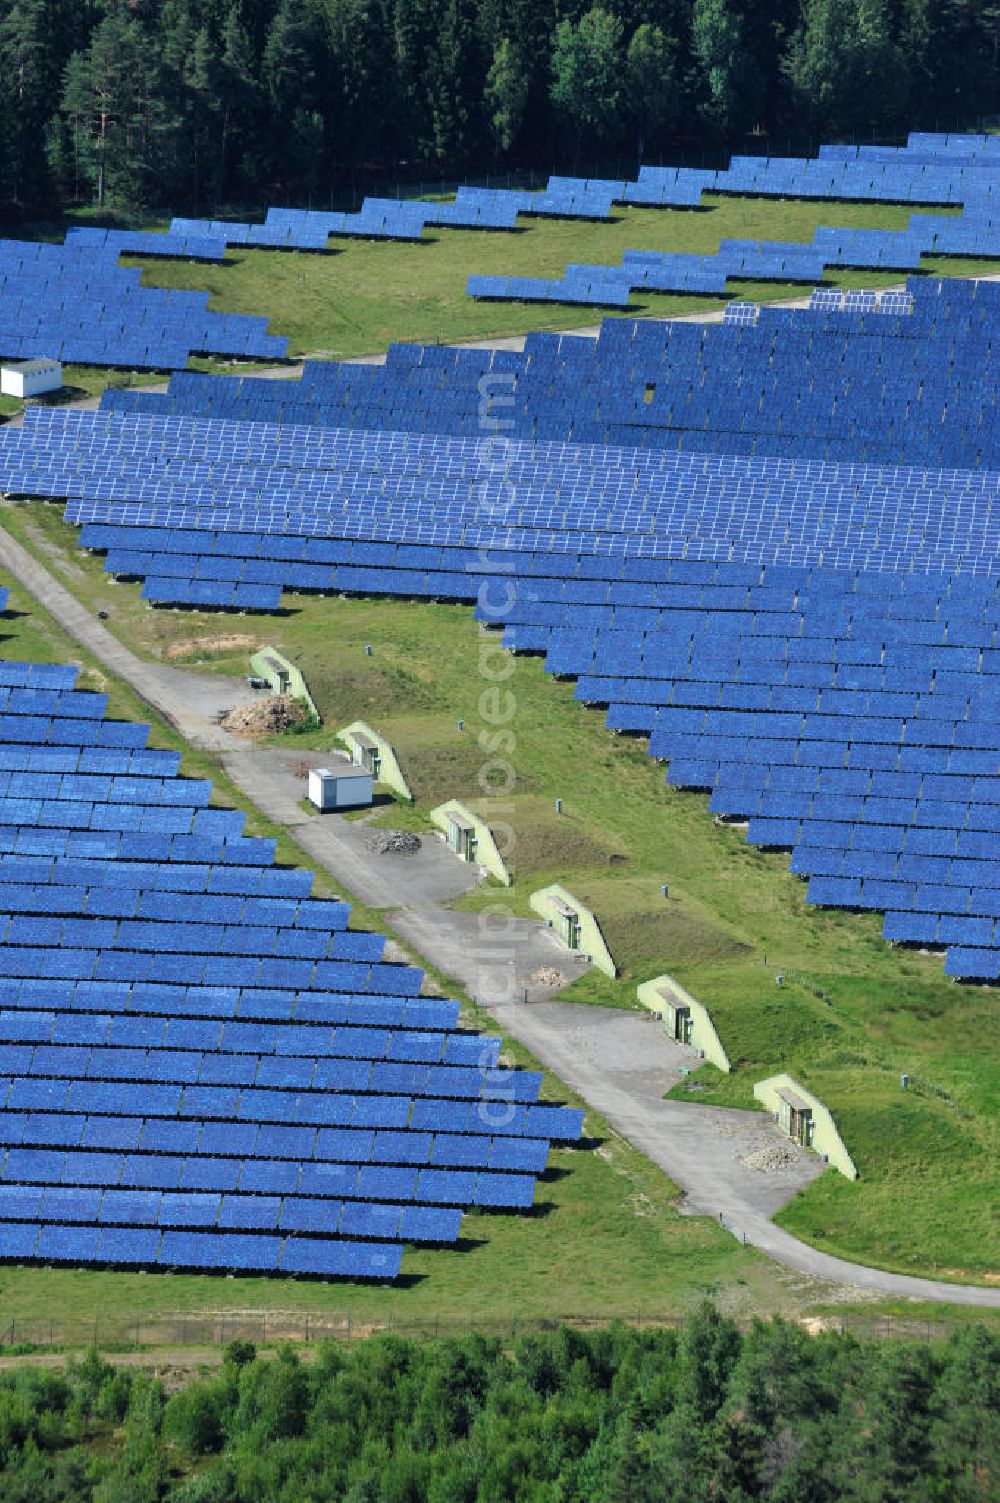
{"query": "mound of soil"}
{"type": "Point", "coordinates": [205, 646]}
{"type": "Point", "coordinates": [264, 717]}
{"type": "Point", "coordinates": [392, 843]}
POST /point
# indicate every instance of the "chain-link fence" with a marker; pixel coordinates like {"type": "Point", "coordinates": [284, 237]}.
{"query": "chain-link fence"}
{"type": "Point", "coordinates": [141, 1332]}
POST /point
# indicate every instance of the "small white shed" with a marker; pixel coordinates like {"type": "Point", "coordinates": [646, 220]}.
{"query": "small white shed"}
{"type": "Point", "coordinates": [30, 378]}
{"type": "Point", "coordinates": [342, 786]}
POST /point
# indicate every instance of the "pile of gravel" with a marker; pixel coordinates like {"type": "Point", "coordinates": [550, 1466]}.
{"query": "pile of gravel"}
{"type": "Point", "coordinates": [548, 976]}
{"type": "Point", "coordinates": [772, 1159]}
{"type": "Point", "coordinates": [392, 843]}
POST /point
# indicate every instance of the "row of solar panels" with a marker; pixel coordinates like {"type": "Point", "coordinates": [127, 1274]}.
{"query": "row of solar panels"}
{"type": "Point", "coordinates": [130, 1247]}
{"type": "Point", "coordinates": [320, 1178]}
{"type": "Point", "coordinates": [766, 539]}
{"type": "Point", "coordinates": [821, 508]}
{"type": "Point", "coordinates": [343, 1118]}
{"type": "Point", "coordinates": [709, 273]}
{"type": "Point", "coordinates": [216, 1147]}
{"type": "Point", "coordinates": [609, 356]}
{"type": "Point", "coordinates": [248, 1004]}
{"type": "Point", "coordinates": [562, 604]}
{"type": "Point", "coordinates": [80, 888]}
{"type": "Point", "coordinates": [32, 1119]}
{"type": "Point", "coordinates": [210, 1041]}
{"type": "Point", "coordinates": [226, 1212]}
{"type": "Point", "coordinates": [96, 964]}
{"type": "Point", "coordinates": [233, 1084]}
{"type": "Point", "coordinates": [766, 545]}
{"type": "Point", "coordinates": [699, 584]}
{"type": "Point", "coordinates": [898, 176]}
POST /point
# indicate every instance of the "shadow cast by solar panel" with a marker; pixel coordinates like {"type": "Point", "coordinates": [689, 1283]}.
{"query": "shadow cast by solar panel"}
{"type": "Point", "coordinates": [553, 1173]}
{"type": "Point", "coordinates": [486, 229]}
{"type": "Point", "coordinates": [460, 1245]}
{"type": "Point", "coordinates": [586, 1145]}
{"type": "Point", "coordinates": [537, 1209]}
{"type": "Point", "coordinates": [193, 606]}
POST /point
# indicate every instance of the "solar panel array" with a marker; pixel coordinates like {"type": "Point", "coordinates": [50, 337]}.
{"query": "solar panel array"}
{"type": "Point", "coordinates": [815, 642]}
{"type": "Point", "coordinates": [146, 243]}
{"type": "Point", "coordinates": [74, 303]}
{"type": "Point", "coordinates": [735, 260]}
{"type": "Point", "coordinates": [912, 380]}
{"type": "Point", "coordinates": [377, 219]}
{"type": "Point", "coordinates": [201, 1065]}
{"type": "Point", "coordinates": [943, 169]}
{"type": "Point", "coordinates": [929, 170]}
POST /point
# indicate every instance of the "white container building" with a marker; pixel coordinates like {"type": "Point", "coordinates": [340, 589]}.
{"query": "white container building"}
{"type": "Point", "coordinates": [342, 786]}
{"type": "Point", "coordinates": [30, 378]}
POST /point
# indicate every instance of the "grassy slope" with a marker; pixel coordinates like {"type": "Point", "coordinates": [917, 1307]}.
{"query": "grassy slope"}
{"type": "Point", "coordinates": [368, 293]}
{"type": "Point", "coordinates": [600, 1207]}
{"type": "Point", "coordinates": [852, 1013]}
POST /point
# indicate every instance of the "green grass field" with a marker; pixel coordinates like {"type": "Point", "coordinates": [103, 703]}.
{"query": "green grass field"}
{"type": "Point", "coordinates": [852, 1013]}
{"type": "Point", "coordinates": [365, 294]}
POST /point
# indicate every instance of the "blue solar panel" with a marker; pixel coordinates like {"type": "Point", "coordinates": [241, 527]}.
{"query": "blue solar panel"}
{"type": "Point", "coordinates": [128, 1245]}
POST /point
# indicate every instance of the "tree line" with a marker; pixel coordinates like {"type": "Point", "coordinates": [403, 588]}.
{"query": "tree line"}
{"type": "Point", "coordinates": [195, 103]}
{"type": "Point", "coordinates": [703, 1415]}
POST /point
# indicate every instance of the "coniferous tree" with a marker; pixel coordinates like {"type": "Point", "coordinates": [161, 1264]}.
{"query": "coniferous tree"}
{"type": "Point", "coordinates": [24, 58]}
{"type": "Point", "coordinates": [361, 92]}
{"type": "Point", "coordinates": [183, 102]}
{"type": "Point", "coordinates": [107, 94]}
{"type": "Point", "coordinates": [293, 60]}
{"type": "Point", "coordinates": [451, 66]}
{"type": "Point", "coordinates": [505, 95]}
{"type": "Point", "coordinates": [239, 104]}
